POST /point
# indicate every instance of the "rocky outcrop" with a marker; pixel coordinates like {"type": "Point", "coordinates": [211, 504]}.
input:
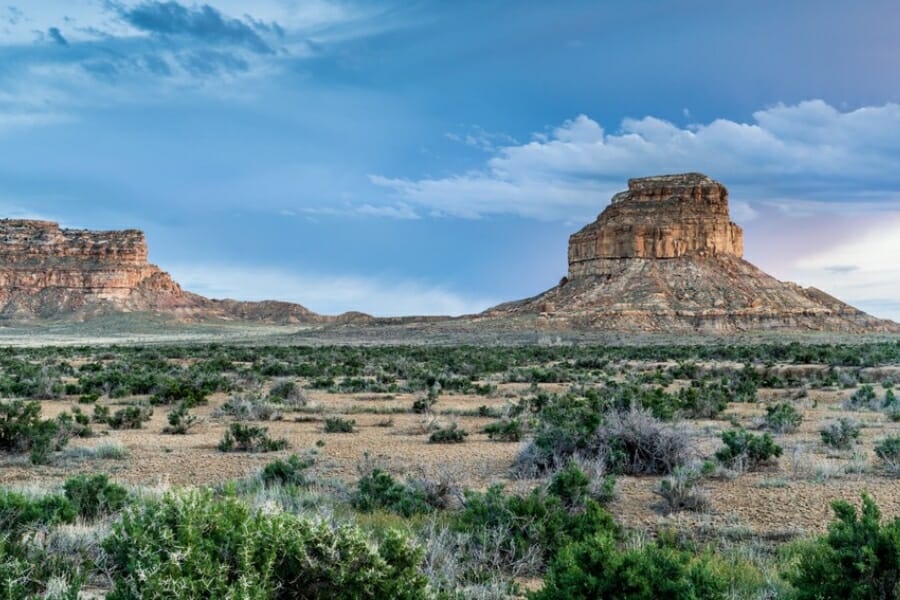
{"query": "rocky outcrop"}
{"type": "Point", "coordinates": [48, 272]}
{"type": "Point", "coordinates": [665, 257]}
{"type": "Point", "coordinates": [658, 217]}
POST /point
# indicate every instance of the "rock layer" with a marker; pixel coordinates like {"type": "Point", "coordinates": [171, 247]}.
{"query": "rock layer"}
{"type": "Point", "coordinates": [50, 272]}
{"type": "Point", "coordinates": [664, 256]}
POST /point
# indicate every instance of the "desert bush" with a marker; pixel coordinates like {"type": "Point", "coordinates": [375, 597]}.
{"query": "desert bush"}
{"type": "Point", "coordinates": [179, 391]}
{"type": "Point", "coordinates": [249, 407]}
{"type": "Point", "coordinates": [425, 403]}
{"type": "Point", "coordinates": [888, 451]}
{"type": "Point", "coordinates": [450, 434]}
{"type": "Point", "coordinates": [840, 434]}
{"type": "Point", "coordinates": [636, 443]}
{"type": "Point", "coordinates": [864, 398]}
{"type": "Point", "coordinates": [338, 425]}
{"type": "Point", "coordinates": [598, 568]}
{"type": "Point", "coordinates": [540, 522]}
{"type": "Point", "coordinates": [287, 393]}
{"type": "Point", "coordinates": [782, 418]}
{"type": "Point", "coordinates": [858, 558]}
{"type": "Point", "coordinates": [88, 398]}
{"type": "Point", "coordinates": [746, 451]}
{"type": "Point", "coordinates": [679, 491]}
{"type": "Point", "coordinates": [291, 471]}
{"type": "Point", "coordinates": [94, 495]}
{"type": "Point", "coordinates": [378, 490]}
{"type": "Point", "coordinates": [19, 512]}
{"type": "Point", "coordinates": [227, 550]}
{"type": "Point", "coordinates": [130, 417]}
{"type": "Point", "coordinates": [504, 430]}
{"type": "Point", "coordinates": [101, 414]}
{"type": "Point", "coordinates": [180, 420]}
{"type": "Point", "coordinates": [250, 438]}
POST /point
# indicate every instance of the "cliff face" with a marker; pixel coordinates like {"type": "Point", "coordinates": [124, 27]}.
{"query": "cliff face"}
{"type": "Point", "coordinates": [664, 256]}
{"type": "Point", "coordinates": [658, 217]}
{"type": "Point", "coordinates": [49, 272]}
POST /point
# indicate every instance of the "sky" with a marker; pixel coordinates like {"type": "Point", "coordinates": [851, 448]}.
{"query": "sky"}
{"type": "Point", "coordinates": [432, 157]}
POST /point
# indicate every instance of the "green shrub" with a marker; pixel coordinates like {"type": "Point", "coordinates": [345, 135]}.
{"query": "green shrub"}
{"type": "Point", "coordinates": [378, 490]}
{"type": "Point", "coordinates": [504, 430]}
{"type": "Point", "coordinates": [88, 398]}
{"type": "Point", "coordinates": [451, 434]}
{"type": "Point", "coordinates": [180, 420]}
{"type": "Point", "coordinates": [597, 568]}
{"type": "Point", "coordinates": [250, 438]}
{"type": "Point", "coordinates": [94, 495]}
{"type": "Point", "coordinates": [679, 491]}
{"type": "Point", "coordinates": [181, 391]}
{"type": "Point", "coordinates": [339, 425]}
{"type": "Point", "coordinates": [858, 558]}
{"type": "Point", "coordinates": [540, 522]}
{"type": "Point", "coordinates": [747, 451]}
{"type": "Point", "coordinates": [782, 418]}
{"type": "Point", "coordinates": [226, 550]}
{"type": "Point", "coordinates": [888, 451]}
{"type": "Point", "coordinates": [841, 434]}
{"type": "Point", "coordinates": [18, 512]}
{"type": "Point", "coordinates": [101, 414]}
{"type": "Point", "coordinates": [291, 471]}
{"type": "Point", "coordinates": [130, 417]}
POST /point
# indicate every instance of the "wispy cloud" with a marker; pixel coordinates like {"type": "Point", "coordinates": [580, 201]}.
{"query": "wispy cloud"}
{"type": "Point", "coordinates": [810, 152]}
{"type": "Point", "coordinates": [327, 294]}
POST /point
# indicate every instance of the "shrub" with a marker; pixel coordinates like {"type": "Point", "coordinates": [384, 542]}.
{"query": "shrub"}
{"type": "Point", "coordinates": [180, 391]}
{"type": "Point", "coordinates": [130, 417]}
{"type": "Point", "coordinates": [782, 418]}
{"type": "Point", "coordinates": [250, 438]}
{"type": "Point", "coordinates": [598, 568]}
{"type": "Point", "coordinates": [94, 495]}
{"type": "Point", "coordinates": [636, 443]}
{"type": "Point", "coordinates": [888, 450]}
{"type": "Point", "coordinates": [679, 491]}
{"type": "Point", "coordinates": [339, 425]}
{"type": "Point", "coordinates": [425, 403]}
{"type": "Point", "coordinates": [101, 414]}
{"type": "Point", "coordinates": [291, 471]}
{"type": "Point", "coordinates": [864, 398]}
{"type": "Point", "coordinates": [288, 393]}
{"type": "Point", "coordinates": [451, 434]}
{"type": "Point", "coordinates": [18, 511]}
{"type": "Point", "coordinates": [180, 420]}
{"type": "Point", "coordinates": [504, 430]}
{"type": "Point", "coordinates": [840, 434]}
{"type": "Point", "coordinates": [88, 398]}
{"type": "Point", "coordinates": [541, 522]}
{"type": "Point", "coordinates": [249, 407]}
{"type": "Point", "coordinates": [744, 450]}
{"type": "Point", "coordinates": [226, 550]}
{"type": "Point", "coordinates": [379, 490]}
{"type": "Point", "coordinates": [858, 558]}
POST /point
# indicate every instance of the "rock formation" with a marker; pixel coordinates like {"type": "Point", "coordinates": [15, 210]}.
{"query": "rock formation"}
{"type": "Point", "coordinates": [664, 256]}
{"type": "Point", "coordinates": [49, 272]}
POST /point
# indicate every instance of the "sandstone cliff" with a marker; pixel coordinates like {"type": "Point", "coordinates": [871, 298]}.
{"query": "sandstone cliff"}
{"type": "Point", "coordinates": [664, 256]}
{"type": "Point", "coordinates": [48, 272]}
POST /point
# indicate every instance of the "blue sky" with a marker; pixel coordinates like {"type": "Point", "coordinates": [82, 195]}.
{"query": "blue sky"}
{"type": "Point", "coordinates": [433, 157]}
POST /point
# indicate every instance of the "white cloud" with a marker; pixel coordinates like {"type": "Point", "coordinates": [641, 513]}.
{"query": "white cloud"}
{"type": "Point", "coordinates": [864, 271]}
{"type": "Point", "coordinates": [810, 152]}
{"type": "Point", "coordinates": [327, 294]}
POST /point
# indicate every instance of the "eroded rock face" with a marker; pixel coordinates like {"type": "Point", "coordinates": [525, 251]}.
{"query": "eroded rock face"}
{"type": "Point", "coordinates": [658, 217]}
{"type": "Point", "coordinates": [664, 256]}
{"type": "Point", "coordinates": [49, 272]}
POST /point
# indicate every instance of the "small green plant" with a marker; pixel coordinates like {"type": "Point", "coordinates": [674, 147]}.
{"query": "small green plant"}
{"type": "Point", "coordinates": [94, 495]}
{"type": "Point", "coordinates": [291, 471]}
{"type": "Point", "coordinates": [339, 425]}
{"type": "Point", "coordinates": [427, 402]}
{"type": "Point", "coordinates": [782, 418]}
{"type": "Point", "coordinates": [130, 417]}
{"type": "Point", "coordinates": [504, 430]}
{"type": "Point", "coordinates": [88, 398]}
{"type": "Point", "coordinates": [250, 438]}
{"type": "Point", "coordinates": [180, 420]}
{"type": "Point", "coordinates": [840, 434]}
{"type": "Point", "coordinates": [101, 413]}
{"type": "Point", "coordinates": [744, 450]}
{"type": "Point", "coordinates": [451, 434]}
{"type": "Point", "coordinates": [377, 489]}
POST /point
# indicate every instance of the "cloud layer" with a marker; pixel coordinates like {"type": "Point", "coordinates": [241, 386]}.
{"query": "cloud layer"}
{"type": "Point", "coordinates": [810, 151]}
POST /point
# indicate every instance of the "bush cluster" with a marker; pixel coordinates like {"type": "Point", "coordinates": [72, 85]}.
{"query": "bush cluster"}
{"type": "Point", "coordinates": [250, 438]}
{"type": "Point", "coordinates": [746, 451]}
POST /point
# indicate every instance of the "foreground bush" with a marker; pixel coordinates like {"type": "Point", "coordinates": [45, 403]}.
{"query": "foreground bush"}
{"type": "Point", "coordinates": [94, 495]}
{"type": "Point", "coordinates": [194, 546]}
{"type": "Point", "coordinates": [859, 558]}
{"type": "Point", "coordinates": [287, 472]}
{"type": "Point", "coordinates": [597, 569]}
{"type": "Point", "coordinates": [23, 430]}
